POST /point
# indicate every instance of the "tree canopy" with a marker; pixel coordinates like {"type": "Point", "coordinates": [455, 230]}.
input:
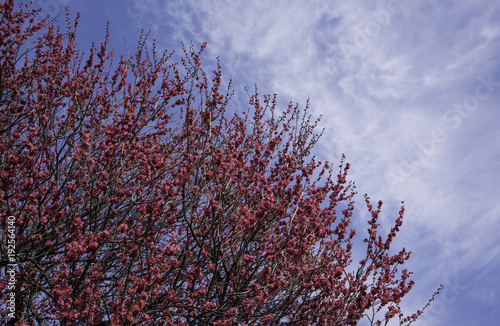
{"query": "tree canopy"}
{"type": "Point", "coordinates": [134, 195]}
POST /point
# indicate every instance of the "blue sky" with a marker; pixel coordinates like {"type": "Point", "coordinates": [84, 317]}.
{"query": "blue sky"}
{"type": "Point", "coordinates": [408, 90]}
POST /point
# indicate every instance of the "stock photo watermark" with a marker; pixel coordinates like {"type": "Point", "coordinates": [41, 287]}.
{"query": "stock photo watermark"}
{"type": "Point", "coordinates": [50, 7]}
{"type": "Point", "coordinates": [452, 119]}
{"type": "Point", "coordinates": [451, 291]}
{"type": "Point", "coordinates": [373, 27]}
{"type": "Point", "coordinates": [11, 267]}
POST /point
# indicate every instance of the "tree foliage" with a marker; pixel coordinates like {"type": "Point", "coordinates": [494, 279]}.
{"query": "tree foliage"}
{"type": "Point", "coordinates": [140, 199]}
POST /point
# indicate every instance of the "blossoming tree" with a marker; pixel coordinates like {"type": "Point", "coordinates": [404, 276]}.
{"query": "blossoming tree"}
{"type": "Point", "coordinates": [138, 199]}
